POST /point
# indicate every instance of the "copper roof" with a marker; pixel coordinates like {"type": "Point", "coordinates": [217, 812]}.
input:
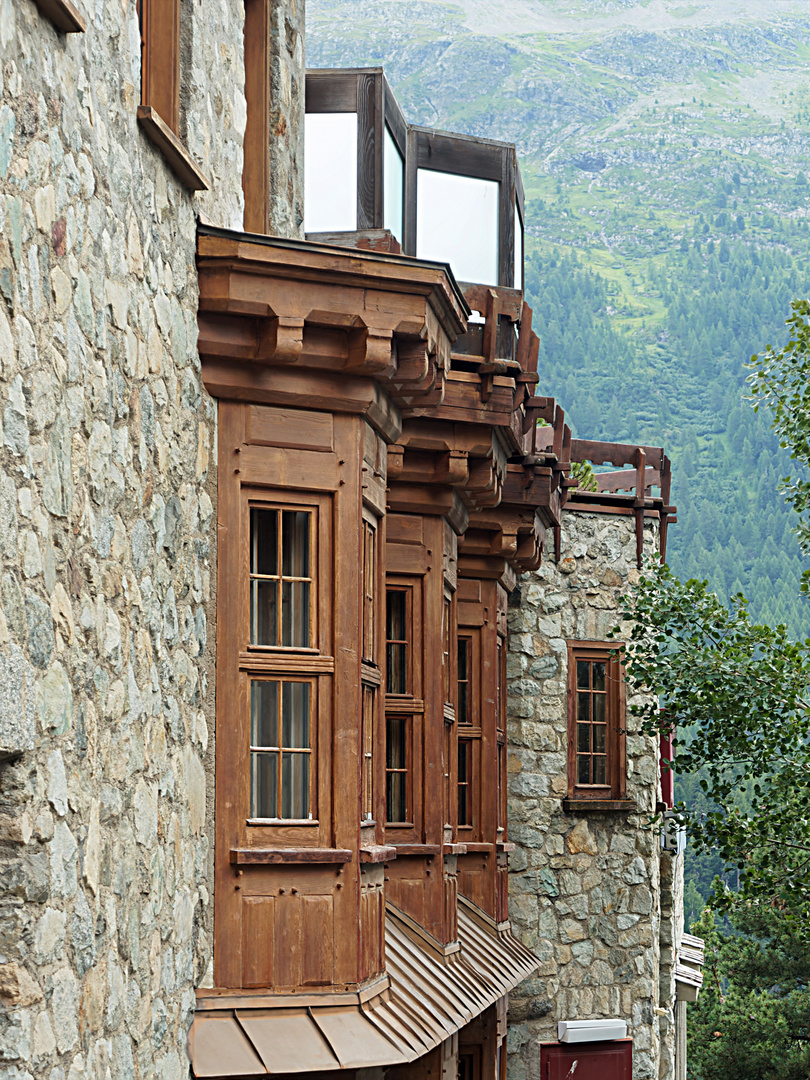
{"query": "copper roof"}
{"type": "Point", "coordinates": [430, 997]}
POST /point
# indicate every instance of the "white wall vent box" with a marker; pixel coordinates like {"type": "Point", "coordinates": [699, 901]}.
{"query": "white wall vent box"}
{"type": "Point", "coordinates": [580, 1031]}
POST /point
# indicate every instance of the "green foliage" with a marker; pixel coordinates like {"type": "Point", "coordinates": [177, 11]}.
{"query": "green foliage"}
{"type": "Point", "coordinates": [582, 472]}
{"type": "Point", "coordinates": [736, 692]}
{"type": "Point", "coordinates": [752, 1019]}
{"type": "Point", "coordinates": [781, 382]}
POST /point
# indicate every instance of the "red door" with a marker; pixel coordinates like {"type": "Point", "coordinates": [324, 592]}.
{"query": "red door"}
{"type": "Point", "coordinates": [587, 1061]}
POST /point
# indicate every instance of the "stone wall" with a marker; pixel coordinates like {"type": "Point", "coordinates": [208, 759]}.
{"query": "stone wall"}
{"type": "Point", "coordinates": [585, 891]}
{"type": "Point", "coordinates": [287, 118]}
{"type": "Point", "coordinates": [107, 541]}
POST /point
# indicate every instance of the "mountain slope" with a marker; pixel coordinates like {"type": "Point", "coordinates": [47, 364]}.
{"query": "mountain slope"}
{"type": "Point", "coordinates": [664, 149]}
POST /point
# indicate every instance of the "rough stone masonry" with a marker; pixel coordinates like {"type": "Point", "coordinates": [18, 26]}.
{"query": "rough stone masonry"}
{"type": "Point", "coordinates": [591, 895]}
{"type": "Point", "coordinates": [107, 530]}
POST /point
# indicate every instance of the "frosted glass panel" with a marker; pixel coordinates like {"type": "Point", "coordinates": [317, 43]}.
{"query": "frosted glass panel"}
{"type": "Point", "coordinates": [457, 222]}
{"type": "Point", "coordinates": [394, 171]}
{"type": "Point", "coordinates": [518, 284]}
{"type": "Point", "coordinates": [330, 172]}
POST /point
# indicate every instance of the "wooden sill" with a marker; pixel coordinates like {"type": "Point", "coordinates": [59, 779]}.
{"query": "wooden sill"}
{"type": "Point", "coordinates": [268, 856]}
{"type": "Point", "coordinates": [178, 158]}
{"type": "Point", "coordinates": [505, 845]}
{"type": "Point", "coordinates": [476, 848]}
{"type": "Point", "coordinates": [64, 15]}
{"type": "Point", "coordinates": [584, 806]}
{"type": "Point", "coordinates": [377, 853]}
{"type": "Point", "coordinates": [455, 849]}
{"type": "Point", "coordinates": [418, 849]}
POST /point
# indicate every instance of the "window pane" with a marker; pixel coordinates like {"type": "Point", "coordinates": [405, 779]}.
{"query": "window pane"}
{"type": "Point", "coordinates": [583, 675]}
{"type": "Point", "coordinates": [394, 180]}
{"type": "Point", "coordinates": [263, 785]}
{"type": "Point", "coordinates": [599, 770]}
{"type": "Point", "coordinates": [457, 222]}
{"type": "Point", "coordinates": [464, 697]}
{"type": "Point", "coordinates": [518, 284]}
{"type": "Point", "coordinates": [263, 541]}
{"type": "Point", "coordinates": [599, 675]}
{"type": "Point", "coordinates": [395, 615]}
{"type": "Point", "coordinates": [294, 785]}
{"type": "Point", "coordinates": [396, 746]}
{"type": "Point", "coordinates": [463, 757]}
{"type": "Point", "coordinates": [263, 713]}
{"type": "Point", "coordinates": [599, 731]}
{"type": "Point", "coordinates": [295, 614]}
{"type": "Point", "coordinates": [263, 612]}
{"type": "Point", "coordinates": [583, 707]}
{"type": "Point", "coordinates": [396, 682]}
{"type": "Point", "coordinates": [395, 798]}
{"type": "Point", "coordinates": [583, 738]}
{"type": "Point", "coordinates": [295, 543]}
{"type": "Point", "coordinates": [295, 714]}
{"type": "Point", "coordinates": [330, 172]}
{"type": "Point", "coordinates": [583, 769]}
{"type": "Point", "coordinates": [599, 702]}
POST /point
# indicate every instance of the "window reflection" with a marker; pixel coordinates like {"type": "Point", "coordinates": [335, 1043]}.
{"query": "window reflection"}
{"type": "Point", "coordinates": [330, 172]}
{"type": "Point", "coordinates": [394, 172]}
{"type": "Point", "coordinates": [457, 222]}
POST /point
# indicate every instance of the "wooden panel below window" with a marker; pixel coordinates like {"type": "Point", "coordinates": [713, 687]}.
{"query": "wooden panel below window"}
{"type": "Point", "coordinates": [258, 916]}
{"type": "Point", "coordinates": [372, 922]}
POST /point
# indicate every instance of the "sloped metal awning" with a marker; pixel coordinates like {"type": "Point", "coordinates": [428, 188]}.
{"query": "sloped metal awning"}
{"type": "Point", "coordinates": [429, 998]}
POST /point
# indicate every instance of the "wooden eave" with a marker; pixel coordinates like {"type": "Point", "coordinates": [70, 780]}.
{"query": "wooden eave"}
{"type": "Point", "coordinates": [227, 255]}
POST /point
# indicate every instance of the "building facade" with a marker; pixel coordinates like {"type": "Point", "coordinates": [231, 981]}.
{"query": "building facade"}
{"type": "Point", "coordinates": [296, 602]}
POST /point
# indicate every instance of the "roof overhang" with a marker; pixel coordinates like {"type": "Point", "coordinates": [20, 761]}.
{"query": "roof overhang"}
{"type": "Point", "coordinates": [429, 997]}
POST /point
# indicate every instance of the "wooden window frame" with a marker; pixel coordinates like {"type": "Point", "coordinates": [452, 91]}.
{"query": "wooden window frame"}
{"type": "Point", "coordinates": [408, 706]}
{"type": "Point", "coordinates": [615, 709]}
{"type": "Point", "coordinates": [367, 94]}
{"type": "Point", "coordinates": [281, 750]}
{"type": "Point", "coordinates": [312, 664]}
{"type": "Point", "coordinates": [467, 746]}
{"type": "Point", "coordinates": [64, 15]}
{"type": "Point", "coordinates": [159, 111]}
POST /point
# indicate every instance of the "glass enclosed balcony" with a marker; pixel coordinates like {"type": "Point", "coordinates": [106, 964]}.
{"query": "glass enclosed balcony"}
{"type": "Point", "coordinates": [354, 154]}
{"type": "Point", "coordinates": [444, 197]}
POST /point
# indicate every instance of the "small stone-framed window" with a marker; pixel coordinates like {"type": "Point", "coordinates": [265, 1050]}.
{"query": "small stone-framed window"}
{"type": "Point", "coordinates": [596, 711]}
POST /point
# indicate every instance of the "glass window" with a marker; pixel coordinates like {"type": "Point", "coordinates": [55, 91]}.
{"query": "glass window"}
{"type": "Point", "coordinates": [457, 222]}
{"type": "Point", "coordinates": [591, 723]}
{"type": "Point", "coordinates": [465, 680]}
{"type": "Point", "coordinates": [393, 187]}
{"type": "Point", "coordinates": [396, 641]}
{"type": "Point", "coordinates": [397, 766]}
{"type": "Point", "coordinates": [465, 751]}
{"type": "Point", "coordinates": [369, 582]}
{"type": "Point", "coordinates": [368, 753]}
{"type": "Point", "coordinates": [280, 749]}
{"type": "Point", "coordinates": [330, 172]}
{"type": "Point", "coordinates": [518, 250]}
{"type": "Point", "coordinates": [280, 577]}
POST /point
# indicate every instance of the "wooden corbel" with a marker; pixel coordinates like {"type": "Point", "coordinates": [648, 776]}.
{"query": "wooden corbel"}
{"type": "Point", "coordinates": [280, 339]}
{"type": "Point", "coordinates": [370, 351]}
{"type": "Point", "coordinates": [396, 463]}
{"type": "Point", "coordinates": [453, 468]}
{"type": "Point", "coordinates": [412, 360]}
